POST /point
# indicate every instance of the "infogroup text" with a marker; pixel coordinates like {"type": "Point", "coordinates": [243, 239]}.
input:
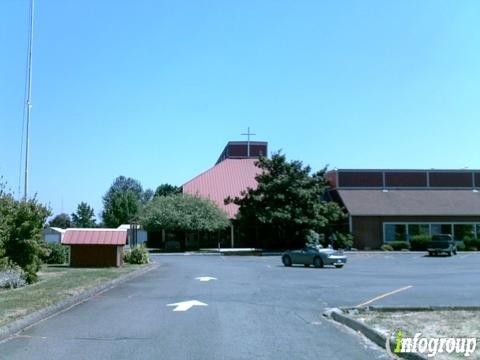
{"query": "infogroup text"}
{"type": "Point", "coordinates": [431, 346]}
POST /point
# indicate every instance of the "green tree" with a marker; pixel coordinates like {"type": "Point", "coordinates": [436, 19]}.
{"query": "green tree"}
{"type": "Point", "coordinates": [122, 202]}
{"type": "Point", "coordinates": [147, 196]}
{"type": "Point", "coordinates": [62, 221]}
{"type": "Point", "coordinates": [21, 224]}
{"type": "Point", "coordinates": [167, 189]}
{"type": "Point", "coordinates": [84, 217]}
{"type": "Point", "coordinates": [289, 199]}
{"type": "Point", "coordinates": [183, 213]}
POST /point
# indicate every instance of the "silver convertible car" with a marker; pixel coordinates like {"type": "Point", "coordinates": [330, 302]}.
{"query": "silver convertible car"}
{"type": "Point", "coordinates": [316, 256]}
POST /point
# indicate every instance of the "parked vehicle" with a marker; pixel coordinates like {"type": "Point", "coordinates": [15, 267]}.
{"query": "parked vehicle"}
{"type": "Point", "coordinates": [316, 256]}
{"type": "Point", "coordinates": [442, 244]}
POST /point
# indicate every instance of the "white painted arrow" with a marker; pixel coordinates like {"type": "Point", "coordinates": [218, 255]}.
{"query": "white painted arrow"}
{"type": "Point", "coordinates": [186, 305]}
{"type": "Point", "coordinates": [205, 278]}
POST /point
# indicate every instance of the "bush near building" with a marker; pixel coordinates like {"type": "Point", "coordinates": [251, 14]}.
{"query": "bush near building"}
{"type": "Point", "coordinates": [342, 241]}
{"type": "Point", "coordinates": [137, 255]}
{"type": "Point", "coordinates": [420, 242]}
{"type": "Point", "coordinates": [386, 247]}
{"type": "Point", "coordinates": [471, 244]}
{"type": "Point", "coordinates": [55, 254]}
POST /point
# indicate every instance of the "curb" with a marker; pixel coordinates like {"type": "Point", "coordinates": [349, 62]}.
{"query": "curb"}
{"type": "Point", "coordinates": [415, 308]}
{"type": "Point", "coordinates": [19, 325]}
{"type": "Point", "coordinates": [414, 252]}
{"type": "Point", "coordinates": [381, 252]}
{"type": "Point", "coordinates": [380, 339]}
{"type": "Point", "coordinates": [186, 254]}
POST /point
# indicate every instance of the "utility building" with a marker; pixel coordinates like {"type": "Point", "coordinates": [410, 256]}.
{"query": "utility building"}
{"type": "Point", "coordinates": [95, 247]}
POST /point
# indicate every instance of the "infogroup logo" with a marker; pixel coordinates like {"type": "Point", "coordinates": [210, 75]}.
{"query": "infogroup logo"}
{"type": "Point", "coordinates": [431, 346]}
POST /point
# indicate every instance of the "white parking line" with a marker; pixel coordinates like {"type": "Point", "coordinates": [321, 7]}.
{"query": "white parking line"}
{"type": "Point", "coordinates": [384, 296]}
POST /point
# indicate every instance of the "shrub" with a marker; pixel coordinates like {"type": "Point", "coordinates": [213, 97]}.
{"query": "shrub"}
{"type": "Point", "coordinates": [420, 242]}
{"type": "Point", "coordinates": [11, 276]}
{"type": "Point", "coordinates": [342, 241]}
{"type": "Point", "coordinates": [313, 238]}
{"type": "Point", "coordinates": [386, 247]}
{"type": "Point", "coordinates": [137, 255]}
{"type": "Point", "coordinates": [461, 246]}
{"type": "Point", "coordinates": [21, 224]}
{"type": "Point", "coordinates": [399, 245]}
{"type": "Point", "coordinates": [55, 254]}
{"type": "Point", "coordinates": [471, 244]}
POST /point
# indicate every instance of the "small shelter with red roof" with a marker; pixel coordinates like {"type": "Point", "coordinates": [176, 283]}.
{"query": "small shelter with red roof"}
{"type": "Point", "coordinates": [95, 247]}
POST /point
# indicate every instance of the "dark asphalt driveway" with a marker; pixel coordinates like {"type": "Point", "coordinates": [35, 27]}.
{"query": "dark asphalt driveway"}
{"type": "Point", "coordinates": [257, 309]}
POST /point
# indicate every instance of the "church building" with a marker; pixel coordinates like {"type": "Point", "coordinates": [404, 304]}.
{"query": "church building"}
{"type": "Point", "coordinates": [234, 172]}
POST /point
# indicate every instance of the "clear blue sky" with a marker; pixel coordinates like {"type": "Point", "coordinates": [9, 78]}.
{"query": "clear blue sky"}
{"type": "Point", "coordinates": [154, 89]}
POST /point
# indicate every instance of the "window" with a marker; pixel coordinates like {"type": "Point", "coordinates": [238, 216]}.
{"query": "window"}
{"type": "Point", "coordinates": [441, 229]}
{"type": "Point", "coordinates": [418, 229]}
{"type": "Point", "coordinates": [460, 231]}
{"type": "Point", "coordinates": [395, 232]}
{"type": "Point", "coordinates": [405, 232]}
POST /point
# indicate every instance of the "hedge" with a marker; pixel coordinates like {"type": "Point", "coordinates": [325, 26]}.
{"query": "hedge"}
{"type": "Point", "coordinates": [420, 242]}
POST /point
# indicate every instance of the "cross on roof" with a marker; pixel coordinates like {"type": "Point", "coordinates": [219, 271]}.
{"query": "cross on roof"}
{"type": "Point", "coordinates": [248, 134]}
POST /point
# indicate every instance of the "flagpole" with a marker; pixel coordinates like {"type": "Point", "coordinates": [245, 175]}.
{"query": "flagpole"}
{"type": "Point", "coordinates": [29, 99]}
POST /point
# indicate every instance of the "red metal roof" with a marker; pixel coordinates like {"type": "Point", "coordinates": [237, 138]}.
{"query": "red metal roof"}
{"type": "Point", "coordinates": [94, 237]}
{"type": "Point", "coordinates": [228, 178]}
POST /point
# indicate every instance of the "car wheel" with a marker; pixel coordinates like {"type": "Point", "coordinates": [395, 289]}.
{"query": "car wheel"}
{"type": "Point", "coordinates": [338, 266]}
{"type": "Point", "coordinates": [430, 253]}
{"type": "Point", "coordinates": [449, 253]}
{"type": "Point", "coordinates": [287, 261]}
{"type": "Point", "coordinates": [317, 262]}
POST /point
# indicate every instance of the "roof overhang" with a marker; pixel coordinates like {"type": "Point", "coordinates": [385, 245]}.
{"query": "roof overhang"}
{"type": "Point", "coordinates": [411, 202]}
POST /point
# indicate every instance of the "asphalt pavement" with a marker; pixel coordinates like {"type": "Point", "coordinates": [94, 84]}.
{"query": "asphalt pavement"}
{"type": "Point", "coordinates": [254, 308]}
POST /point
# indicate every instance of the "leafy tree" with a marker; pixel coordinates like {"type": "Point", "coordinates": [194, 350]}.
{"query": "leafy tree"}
{"type": "Point", "coordinates": [62, 221]}
{"type": "Point", "coordinates": [183, 212]}
{"type": "Point", "coordinates": [122, 202]}
{"type": "Point", "coordinates": [289, 199]}
{"type": "Point", "coordinates": [21, 224]}
{"type": "Point", "coordinates": [122, 184]}
{"type": "Point", "coordinates": [147, 196]}
{"type": "Point", "coordinates": [84, 217]}
{"type": "Point", "coordinates": [167, 189]}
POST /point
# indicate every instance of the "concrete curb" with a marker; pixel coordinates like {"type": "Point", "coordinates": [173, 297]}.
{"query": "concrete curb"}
{"type": "Point", "coordinates": [381, 252]}
{"type": "Point", "coordinates": [186, 254]}
{"type": "Point", "coordinates": [415, 308]}
{"type": "Point", "coordinates": [18, 325]}
{"type": "Point", "coordinates": [414, 252]}
{"type": "Point", "coordinates": [380, 339]}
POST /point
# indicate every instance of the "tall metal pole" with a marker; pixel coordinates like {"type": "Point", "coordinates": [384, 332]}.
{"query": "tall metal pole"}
{"type": "Point", "coordinates": [29, 99]}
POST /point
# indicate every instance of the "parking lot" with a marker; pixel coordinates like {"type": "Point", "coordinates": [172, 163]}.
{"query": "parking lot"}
{"type": "Point", "coordinates": [244, 308]}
